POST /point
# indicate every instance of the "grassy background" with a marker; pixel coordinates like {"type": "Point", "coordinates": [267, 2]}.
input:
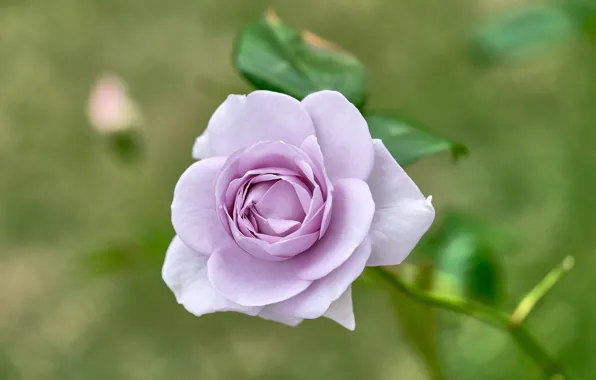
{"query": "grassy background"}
{"type": "Point", "coordinates": [528, 124]}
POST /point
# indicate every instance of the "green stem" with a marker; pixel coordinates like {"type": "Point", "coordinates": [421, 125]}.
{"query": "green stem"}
{"type": "Point", "coordinates": [550, 367]}
{"type": "Point", "coordinates": [529, 302]}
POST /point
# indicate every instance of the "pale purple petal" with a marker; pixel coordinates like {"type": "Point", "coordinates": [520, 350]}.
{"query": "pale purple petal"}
{"type": "Point", "coordinates": [200, 148]}
{"type": "Point", "coordinates": [268, 239]}
{"type": "Point", "coordinates": [351, 216]}
{"type": "Point", "coordinates": [265, 154]}
{"type": "Point", "coordinates": [302, 192]}
{"type": "Point", "coordinates": [342, 134]}
{"type": "Point", "coordinates": [388, 181]}
{"type": "Point", "coordinates": [282, 226]}
{"type": "Point", "coordinates": [402, 213]}
{"type": "Point", "coordinates": [280, 202]}
{"type": "Point", "coordinates": [396, 230]}
{"type": "Point", "coordinates": [185, 273]}
{"type": "Point", "coordinates": [277, 250]}
{"type": "Point", "coordinates": [314, 301]}
{"type": "Point", "coordinates": [241, 121]}
{"type": "Point", "coordinates": [311, 147]}
{"type": "Point", "coordinates": [326, 219]}
{"type": "Point", "coordinates": [270, 314]}
{"type": "Point", "coordinates": [342, 311]}
{"type": "Point", "coordinates": [249, 281]}
{"type": "Point", "coordinates": [194, 214]}
{"type": "Point", "coordinates": [312, 223]}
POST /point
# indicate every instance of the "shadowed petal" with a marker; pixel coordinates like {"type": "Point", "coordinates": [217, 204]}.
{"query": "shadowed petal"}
{"type": "Point", "coordinates": [342, 134]}
{"type": "Point", "coordinates": [270, 314]}
{"type": "Point", "coordinates": [200, 148]}
{"type": "Point", "coordinates": [314, 301]}
{"type": "Point", "coordinates": [249, 281]}
{"type": "Point", "coordinates": [185, 273]}
{"type": "Point", "coordinates": [342, 311]}
{"type": "Point", "coordinates": [194, 213]}
{"type": "Point", "coordinates": [402, 213]}
{"type": "Point", "coordinates": [241, 121]}
{"type": "Point", "coordinates": [351, 216]}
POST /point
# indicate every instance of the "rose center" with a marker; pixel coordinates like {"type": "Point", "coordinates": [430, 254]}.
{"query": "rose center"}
{"type": "Point", "coordinates": [272, 207]}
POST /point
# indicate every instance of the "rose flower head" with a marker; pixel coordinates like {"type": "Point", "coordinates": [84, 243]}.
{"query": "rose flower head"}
{"type": "Point", "coordinates": [289, 202]}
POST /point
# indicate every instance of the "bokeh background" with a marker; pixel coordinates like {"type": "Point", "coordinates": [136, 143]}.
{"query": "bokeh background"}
{"type": "Point", "coordinates": [528, 122]}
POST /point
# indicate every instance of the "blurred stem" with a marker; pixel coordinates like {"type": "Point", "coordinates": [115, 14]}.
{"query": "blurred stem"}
{"type": "Point", "coordinates": [496, 318]}
{"type": "Point", "coordinates": [529, 302]}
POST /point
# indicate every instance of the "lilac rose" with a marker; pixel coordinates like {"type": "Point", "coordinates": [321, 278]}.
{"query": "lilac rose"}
{"type": "Point", "coordinates": [289, 202]}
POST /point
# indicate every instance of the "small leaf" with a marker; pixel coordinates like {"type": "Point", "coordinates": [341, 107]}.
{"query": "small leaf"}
{"type": "Point", "coordinates": [406, 142]}
{"type": "Point", "coordinates": [522, 31]}
{"type": "Point", "coordinates": [468, 262]}
{"type": "Point", "coordinates": [273, 56]}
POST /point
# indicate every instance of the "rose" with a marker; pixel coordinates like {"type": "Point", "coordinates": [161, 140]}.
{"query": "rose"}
{"type": "Point", "coordinates": [289, 202]}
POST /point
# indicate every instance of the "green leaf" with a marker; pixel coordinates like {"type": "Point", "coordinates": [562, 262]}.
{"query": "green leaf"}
{"type": "Point", "coordinates": [273, 56]}
{"type": "Point", "coordinates": [584, 14]}
{"type": "Point", "coordinates": [406, 142]}
{"type": "Point", "coordinates": [468, 261]}
{"type": "Point", "coordinates": [522, 31]}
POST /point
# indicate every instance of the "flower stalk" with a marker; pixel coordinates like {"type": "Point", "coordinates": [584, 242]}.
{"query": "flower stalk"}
{"type": "Point", "coordinates": [513, 323]}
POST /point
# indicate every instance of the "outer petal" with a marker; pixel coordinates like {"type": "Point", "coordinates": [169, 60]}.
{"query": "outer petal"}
{"type": "Point", "coordinates": [249, 281]}
{"type": "Point", "coordinates": [185, 273]}
{"type": "Point", "coordinates": [201, 149]}
{"type": "Point", "coordinates": [402, 213]}
{"type": "Point", "coordinates": [351, 216]}
{"type": "Point", "coordinates": [270, 314]}
{"type": "Point", "coordinates": [314, 301]}
{"type": "Point", "coordinates": [194, 213]}
{"type": "Point", "coordinates": [241, 121]}
{"type": "Point", "coordinates": [342, 311]}
{"type": "Point", "coordinates": [342, 134]}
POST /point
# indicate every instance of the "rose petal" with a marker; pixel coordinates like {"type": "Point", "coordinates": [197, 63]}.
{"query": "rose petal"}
{"type": "Point", "coordinates": [351, 216]}
{"type": "Point", "coordinates": [388, 181]}
{"type": "Point", "coordinates": [194, 214]}
{"type": "Point", "coordinates": [270, 314]}
{"type": "Point", "coordinates": [241, 121]}
{"type": "Point", "coordinates": [310, 146]}
{"type": "Point", "coordinates": [302, 192]}
{"type": "Point", "coordinates": [314, 301]}
{"type": "Point", "coordinates": [264, 154]}
{"type": "Point", "coordinates": [200, 148]}
{"type": "Point", "coordinates": [342, 134]}
{"type": "Point", "coordinates": [326, 219]}
{"type": "Point", "coordinates": [185, 273]}
{"type": "Point", "coordinates": [249, 281]}
{"type": "Point", "coordinates": [342, 311]}
{"type": "Point", "coordinates": [280, 202]}
{"type": "Point", "coordinates": [268, 239]}
{"type": "Point", "coordinates": [275, 250]}
{"type": "Point", "coordinates": [282, 226]}
{"type": "Point", "coordinates": [402, 213]}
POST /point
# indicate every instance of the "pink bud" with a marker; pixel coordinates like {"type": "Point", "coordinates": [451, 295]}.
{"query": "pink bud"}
{"type": "Point", "coordinates": [110, 109]}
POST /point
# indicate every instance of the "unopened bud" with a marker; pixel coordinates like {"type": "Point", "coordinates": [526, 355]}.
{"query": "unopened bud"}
{"type": "Point", "coordinates": [115, 115]}
{"type": "Point", "coordinates": [110, 107]}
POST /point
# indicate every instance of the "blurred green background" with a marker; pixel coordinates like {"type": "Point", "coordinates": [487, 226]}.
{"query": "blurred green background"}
{"type": "Point", "coordinates": [528, 122]}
